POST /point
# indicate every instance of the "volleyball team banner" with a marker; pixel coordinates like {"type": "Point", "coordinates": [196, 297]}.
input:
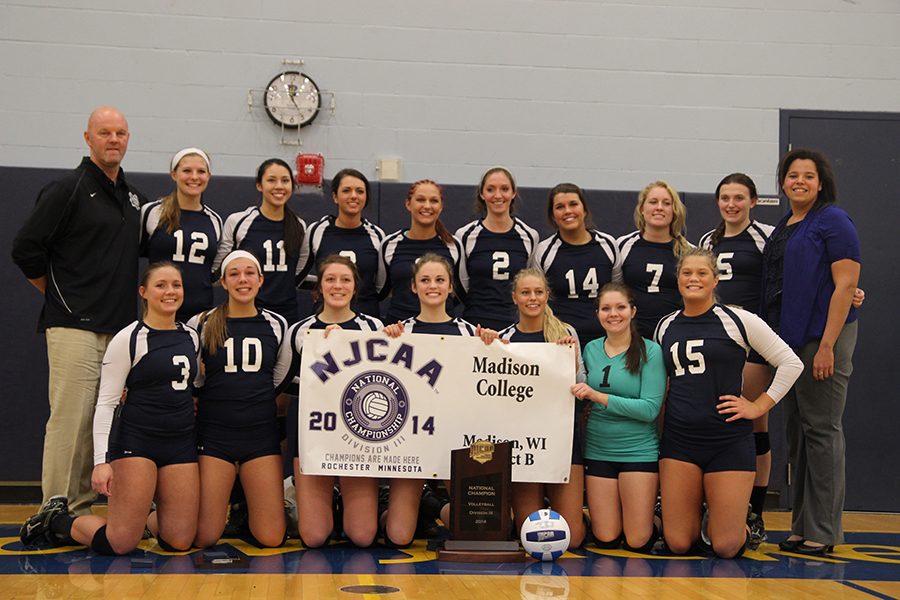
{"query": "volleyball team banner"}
{"type": "Point", "coordinates": [374, 406]}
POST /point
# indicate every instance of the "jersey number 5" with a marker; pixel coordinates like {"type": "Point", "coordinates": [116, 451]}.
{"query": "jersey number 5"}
{"type": "Point", "coordinates": [723, 262]}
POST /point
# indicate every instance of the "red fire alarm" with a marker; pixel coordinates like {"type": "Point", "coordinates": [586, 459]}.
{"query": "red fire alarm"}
{"type": "Point", "coordinates": [310, 169]}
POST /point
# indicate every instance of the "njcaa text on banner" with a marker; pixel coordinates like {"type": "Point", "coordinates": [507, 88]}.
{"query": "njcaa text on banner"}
{"type": "Point", "coordinates": [374, 406]}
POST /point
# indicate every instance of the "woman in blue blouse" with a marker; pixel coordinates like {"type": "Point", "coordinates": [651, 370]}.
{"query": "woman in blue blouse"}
{"type": "Point", "coordinates": [812, 265]}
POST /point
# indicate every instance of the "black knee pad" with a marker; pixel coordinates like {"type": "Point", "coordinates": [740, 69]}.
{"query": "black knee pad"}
{"type": "Point", "coordinates": [309, 546]}
{"type": "Point", "coordinates": [169, 547]}
{"type": "Point", "coordinates": [740, 552]}
{"type": "Point", "coordinates": [647, 547]}
{"type": "Point", "coordinates": [100, 544]}
{"type": "Point", "coordinates": [763, 445]}
{"type": "Point", "coordinates": [392, 544]}
{"type": "Point", "coordinates": [611, 544]}
{"type": "Point", "coordinates": [259, 544]}
{"type": "Point", "coordinates": [369, 545]}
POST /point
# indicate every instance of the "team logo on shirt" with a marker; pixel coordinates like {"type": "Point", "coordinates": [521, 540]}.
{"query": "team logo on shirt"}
{"type": "Point", "coordinates": [135, 201]}
{"type": "Point", "coordinates": [374, 406]}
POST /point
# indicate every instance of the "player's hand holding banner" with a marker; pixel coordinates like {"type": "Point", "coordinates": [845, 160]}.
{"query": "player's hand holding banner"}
{"type": "Point", "coordinates": [374, 406]}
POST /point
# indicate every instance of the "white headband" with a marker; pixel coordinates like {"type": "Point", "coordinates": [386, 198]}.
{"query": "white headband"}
{"type": "Point", "coordinates": [240, 254]}
{"type": "Point", "coordinates": [182, 153]}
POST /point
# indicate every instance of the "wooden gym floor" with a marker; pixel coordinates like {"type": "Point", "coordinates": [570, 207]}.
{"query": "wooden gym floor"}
{"type": "Point", "coordinates": [867, 566]}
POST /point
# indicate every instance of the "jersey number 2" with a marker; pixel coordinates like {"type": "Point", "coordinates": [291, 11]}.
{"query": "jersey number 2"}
{"type": "Point", "coordinates": [501, 261]}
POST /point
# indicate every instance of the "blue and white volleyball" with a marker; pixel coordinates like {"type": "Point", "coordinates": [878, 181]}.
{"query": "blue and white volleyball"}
{"type": "Point", "coordinates": [545, 535]}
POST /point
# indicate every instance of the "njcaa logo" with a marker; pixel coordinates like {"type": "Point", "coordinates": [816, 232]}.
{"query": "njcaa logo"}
{"type": "Point", "coordinates": [374, 406]}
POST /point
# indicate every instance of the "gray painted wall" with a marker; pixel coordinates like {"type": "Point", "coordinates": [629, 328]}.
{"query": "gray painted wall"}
{"type": "Point", "coordinates": [610, 95]}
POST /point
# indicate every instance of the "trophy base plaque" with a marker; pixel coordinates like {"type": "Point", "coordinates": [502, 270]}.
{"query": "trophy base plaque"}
{"type": "Point", "coordinates": [475, 551]}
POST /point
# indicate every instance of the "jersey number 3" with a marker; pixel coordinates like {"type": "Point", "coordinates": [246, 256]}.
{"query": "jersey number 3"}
{"type": "Point", "coordinates": [183, 362]}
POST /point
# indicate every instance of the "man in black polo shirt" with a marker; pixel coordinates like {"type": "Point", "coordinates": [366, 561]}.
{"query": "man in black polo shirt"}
{"type": "Point", "coordinates": [79, 248]}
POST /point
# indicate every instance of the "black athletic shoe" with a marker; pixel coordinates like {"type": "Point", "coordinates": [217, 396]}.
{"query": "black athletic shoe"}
{"type": "Point", "coordinates": [337, 513]}
{"type": "Point", "coordinates": [36, 529]}
{"type": "Point", "coordinates": [238, 523]}
{"type": "Point", "coordinates": [430, 506]}
{"type": "Point", "coordinates": [758, 533]}
{"type": "Point", "coordinates": [704, 544]}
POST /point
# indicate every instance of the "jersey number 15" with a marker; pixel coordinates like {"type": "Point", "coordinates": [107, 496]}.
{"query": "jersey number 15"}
{"type": "Point", "coordinates": [696, 363]}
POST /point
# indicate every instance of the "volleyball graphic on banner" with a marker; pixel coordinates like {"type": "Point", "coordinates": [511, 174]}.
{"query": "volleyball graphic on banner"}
{"type": "Point", "coordinates": [375, 405]}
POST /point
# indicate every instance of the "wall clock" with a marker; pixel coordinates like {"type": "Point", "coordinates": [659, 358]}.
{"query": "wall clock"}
{"type": "Point", "coordinates": [292, 99]}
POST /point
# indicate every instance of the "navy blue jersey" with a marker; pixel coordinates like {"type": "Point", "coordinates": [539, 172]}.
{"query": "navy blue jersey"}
{"type": "Point", "coordinates": [513, 334]}
{"type": "Point", "coordinates": [704, 357]}
{"type": "Point", "coordinates": [192, 247]}
{"type": "Point", "coordinates": [399, 254]}
{"type": "Point", "coordinates": [297, 331]}
{"type": "Point", "coordinates": [649, 269]}
{"type": "Point", "coordinates": [492, 260]}
{"type": "Point", "coordinates": [575, 274]}
{"type": "Point", "coordinates": [241, 378]}
{"type": "Point", "coordinates": [157, 368]}
{"type": "Point", "coordinates": [250, 230]}
{"type": "Point", "coordinates": [740, 262]}
{"type": "Point", "coordinates": [360, 244]}
{"type": "Point", "coordinates": [455, 326]}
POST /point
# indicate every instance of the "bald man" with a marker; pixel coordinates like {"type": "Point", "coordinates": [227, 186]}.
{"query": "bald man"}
{"type": "Point", "coordinates": [79, 248]}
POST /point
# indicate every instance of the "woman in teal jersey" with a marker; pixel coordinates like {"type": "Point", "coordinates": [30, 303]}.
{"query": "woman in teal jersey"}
{"type": "Point", "coordinates": [626, 383]}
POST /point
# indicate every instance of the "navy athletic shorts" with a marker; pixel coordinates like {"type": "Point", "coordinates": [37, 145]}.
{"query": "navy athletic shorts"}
{"type": "Point", "coordinates": [611, 470]}
{"type": "Point", "coordinates": [238, 445]}
{"type": "Point", "coordinates": [731, 455]}
{"type": "Point", "coordinates": [126, 441]}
